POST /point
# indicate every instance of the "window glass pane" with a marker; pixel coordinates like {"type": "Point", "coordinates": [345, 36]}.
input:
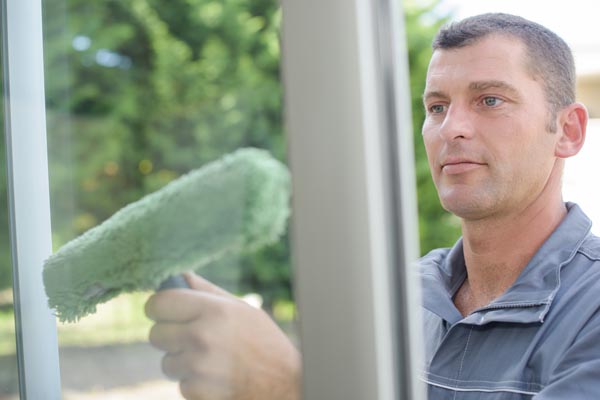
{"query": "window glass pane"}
{"type": "Point", "coordinates": [140, 93]}
{"type": "Point", "coordinates": [9, 381]}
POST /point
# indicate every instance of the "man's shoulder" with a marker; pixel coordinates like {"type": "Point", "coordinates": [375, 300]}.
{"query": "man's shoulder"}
{"type": "Point", "coordinates": [434, 258]}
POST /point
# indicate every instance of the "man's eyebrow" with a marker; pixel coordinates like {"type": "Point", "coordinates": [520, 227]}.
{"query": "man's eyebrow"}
{"type": "Point", "coordinates": [477, 86]}
{"type": "Point", "coordinates": [434, 94]}
{"type": "Point", "coordinates": [481, 86]}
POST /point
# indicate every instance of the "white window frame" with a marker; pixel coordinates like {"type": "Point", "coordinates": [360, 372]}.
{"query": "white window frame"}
{"type": "Point", "coordinates": [28, 197]}
{"type": "Point", "coordinates": [355, 237]}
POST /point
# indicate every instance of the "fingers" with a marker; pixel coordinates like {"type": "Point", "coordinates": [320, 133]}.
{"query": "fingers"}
{"type": "Point", "coordinates": [169, 337]}
{"type": "Point", "coordinates": [171, 306]}
{"type": "Point", "coordinates": [204, 366]}
{"type": "Point", "coordinates": [179, 305]}
{"type": "Point", "coordinates": [201, 376]}
{"type": "Point", "coordinates": [197, 336]}
{"type": "Point", "coordinates": [188, 319]}
{"type": "Point", "coordinates": [220, 348]}
{"type": "Point", "coordinates": [177, 367]}
{"type": "Point", "coordinates": [183, 305]}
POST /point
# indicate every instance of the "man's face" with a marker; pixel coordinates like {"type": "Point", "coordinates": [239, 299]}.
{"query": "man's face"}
{"type": "Point", "coordinates": [485, 129]}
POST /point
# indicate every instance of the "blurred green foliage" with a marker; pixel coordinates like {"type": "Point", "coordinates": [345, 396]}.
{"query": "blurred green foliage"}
{"type": "Point", "coordinates": [141, 91]}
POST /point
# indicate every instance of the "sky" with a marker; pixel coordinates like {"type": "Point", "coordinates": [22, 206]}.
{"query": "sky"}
{"type": "Point", "coordinates": [575, 21]}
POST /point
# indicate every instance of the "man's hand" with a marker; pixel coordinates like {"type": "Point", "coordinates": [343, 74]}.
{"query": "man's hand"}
{"type": "Point", "coordinates": [220, 348]}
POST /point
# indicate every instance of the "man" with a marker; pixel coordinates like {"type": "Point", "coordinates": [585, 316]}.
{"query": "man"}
{"type": "Point", "coordinates": [511, 311]}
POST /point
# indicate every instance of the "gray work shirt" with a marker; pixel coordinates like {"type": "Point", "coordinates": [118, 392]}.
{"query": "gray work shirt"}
{"type": "Point", "coordinates": [539, 340]}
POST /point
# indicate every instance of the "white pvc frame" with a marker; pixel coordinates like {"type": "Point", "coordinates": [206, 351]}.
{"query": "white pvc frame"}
{"type": "Point", "coordinates": [28, 191]}
{"type": "Point", "coordinates": [354, 221]}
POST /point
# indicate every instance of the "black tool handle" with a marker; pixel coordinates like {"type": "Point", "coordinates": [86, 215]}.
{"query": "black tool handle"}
{"type": "Point", "coordinates": [174, 282]}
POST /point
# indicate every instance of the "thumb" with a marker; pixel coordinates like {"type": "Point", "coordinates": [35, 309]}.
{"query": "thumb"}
{"type": "Point", "coordinates": [196, 282]}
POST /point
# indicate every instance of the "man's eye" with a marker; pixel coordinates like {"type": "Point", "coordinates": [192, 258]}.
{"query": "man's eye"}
{"type": "Point", "coordinates": [436, 109]}
{"type": "Point", "coordinates": [491, 101]}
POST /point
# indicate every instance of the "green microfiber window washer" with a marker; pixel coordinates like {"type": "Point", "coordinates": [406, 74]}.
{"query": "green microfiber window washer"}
{"type": "Point", "coordinates": [235, 204]}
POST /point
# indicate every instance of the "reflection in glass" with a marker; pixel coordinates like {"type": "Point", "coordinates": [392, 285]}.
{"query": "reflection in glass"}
{"type": "Point", "coordinates": [140, 93]}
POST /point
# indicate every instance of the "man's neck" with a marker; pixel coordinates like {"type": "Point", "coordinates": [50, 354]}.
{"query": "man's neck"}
{"type": "Point", "coordinates": [496, 251]}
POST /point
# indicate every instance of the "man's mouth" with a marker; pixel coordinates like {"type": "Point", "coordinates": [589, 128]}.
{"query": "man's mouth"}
{"type": "Point", "coordinates": [459, 166]}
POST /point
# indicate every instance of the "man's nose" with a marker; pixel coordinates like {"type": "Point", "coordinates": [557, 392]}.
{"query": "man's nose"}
{"type": "Point", "coordinates": [458, 123]}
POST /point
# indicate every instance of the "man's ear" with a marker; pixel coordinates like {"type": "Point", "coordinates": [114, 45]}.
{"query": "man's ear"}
{"type": "Point", "coordinates": [572, 127]}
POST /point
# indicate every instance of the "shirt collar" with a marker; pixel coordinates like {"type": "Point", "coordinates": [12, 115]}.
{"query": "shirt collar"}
{"type": "Point", "coordinates": [528, 299]}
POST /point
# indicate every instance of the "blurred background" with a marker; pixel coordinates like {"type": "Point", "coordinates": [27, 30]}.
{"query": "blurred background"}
{"type": "Point", "coordinates": [139, 92]}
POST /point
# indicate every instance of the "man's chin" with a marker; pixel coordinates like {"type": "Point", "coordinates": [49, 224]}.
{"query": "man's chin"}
{"type": "Point", "coordinates": [466, 208]}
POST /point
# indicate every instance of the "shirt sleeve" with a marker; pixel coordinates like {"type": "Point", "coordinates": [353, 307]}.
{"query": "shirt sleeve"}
{"type": "Point", "coordinates": [577, 376]}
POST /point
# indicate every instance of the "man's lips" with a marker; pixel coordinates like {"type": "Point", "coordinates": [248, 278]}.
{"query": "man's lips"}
{"type": "Point", "coordinates": [454, 167]}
